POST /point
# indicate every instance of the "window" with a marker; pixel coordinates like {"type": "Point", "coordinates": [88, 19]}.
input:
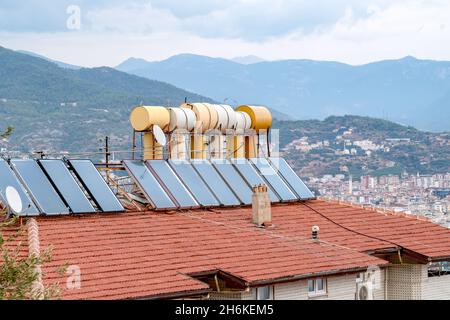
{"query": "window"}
{"type": "Point", "coordinates": [263, 293]}
{"type": "Point", "coordinates": [439, 269]}
{"type": "Point", "coordinates": [317, 287]}
{"type": "Point", "coordinates": [311, 286]}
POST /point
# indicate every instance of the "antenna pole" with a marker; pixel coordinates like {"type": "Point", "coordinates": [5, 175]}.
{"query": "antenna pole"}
{"type": "Point", "coordinates": [134, 143]}
{"type": "Point", "coordinates": [107, 151]}
{"type": "Point", "coordinates": [40, 154]}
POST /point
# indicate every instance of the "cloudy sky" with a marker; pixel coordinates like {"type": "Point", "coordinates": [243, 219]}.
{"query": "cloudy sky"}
{"type": "Point", "coordinates": [106, 32]}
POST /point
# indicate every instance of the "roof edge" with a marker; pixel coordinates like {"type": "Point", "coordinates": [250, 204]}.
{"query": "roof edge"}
{"type": "Point", "coordinates": [175, 295]}
{"type": "Point", "coordinates": [311, 275]}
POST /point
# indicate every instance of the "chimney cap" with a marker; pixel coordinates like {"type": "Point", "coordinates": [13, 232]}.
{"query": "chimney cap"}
{"type": "Point", "coordinates": [315, 232]}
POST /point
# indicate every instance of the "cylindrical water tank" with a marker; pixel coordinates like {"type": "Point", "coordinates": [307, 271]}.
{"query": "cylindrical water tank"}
{"type": "Point", "coordinates": [206, 115]}
{"type": "Point", "coordinates": [181, 118]}
{"type": "Point", "coordinates": [142, 118]}
{"type": "Point", "coordinates": [243, 121]}
{"type": "Point", "coordinates": [261, 117]}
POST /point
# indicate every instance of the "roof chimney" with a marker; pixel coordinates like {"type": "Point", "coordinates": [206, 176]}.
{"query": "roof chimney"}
{"type": "Point", "coordinates": [262, 213]}
{"type": "Point", "coordinates": [315, 232]}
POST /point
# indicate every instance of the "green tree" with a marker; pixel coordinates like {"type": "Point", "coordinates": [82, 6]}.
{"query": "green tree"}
{"type": "Point", "coordinates": [19, 274]}
{"type": "Point", "coordinates": [7, 133]}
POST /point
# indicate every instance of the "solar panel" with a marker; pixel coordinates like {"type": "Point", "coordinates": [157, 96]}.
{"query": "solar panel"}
{"type": "Point", "coordinates": [67, 186]}
{"type": "Point", "coordinates": [173, 184]}
{"type": "Point", "coordinates": [194, 182]}
{"type": "Point", "coordinates": [149, 185]}
{"type": "Point", "coordinates": [96, 186]}
{"type": "Point", "coordinates": [252, 176]}
{"type": "Point", "coordinates": [272, 177]}
{"type": "Point", "coordinates": [292, 178]}
{"type": "Point", "coordinates": [218, 186]}
{"type": "Point", "coordinates": [7, 178]}
{"type": "Point", "coordinates": [39, 187]}
{"type": "Point", "coordinates": [234, 180]}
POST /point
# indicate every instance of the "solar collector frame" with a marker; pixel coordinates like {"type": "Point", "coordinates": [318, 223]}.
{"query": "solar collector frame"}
{"type": "Point", "coordinates": [233, 178]}
{"type": "Point", "coordinates": [65, 183]}
{"type": "Point", "coordinates": [218, 186]}
{"type": "Point", "coordinates": [9, 178]}
{"type": "Point", "coordinates": [39, 187]}
{"type": "Point", "coordinates": [272, 177]}
{"type": "Point", "coordinates": [148, 183]}
{"type": "Point", "coordinates": [172, 184]}
{"type": "Point", "coordinates": [95, 185]}
{"type": "Point", "coordinates": [198, 187]}
{"type": "Point", "coordinates": [291, 178]}
{"type": "Point", "coordinates": [252, 176]}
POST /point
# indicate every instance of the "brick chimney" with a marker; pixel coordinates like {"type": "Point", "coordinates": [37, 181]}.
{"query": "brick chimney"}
{"type": "Point", "coordinates": [262, 213]}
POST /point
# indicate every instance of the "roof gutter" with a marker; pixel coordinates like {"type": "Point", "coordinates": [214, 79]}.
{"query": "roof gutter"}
{"type": "Point", "coordinates": [176, 295]}
{"type": "Point", "coordinates": [382, 251]}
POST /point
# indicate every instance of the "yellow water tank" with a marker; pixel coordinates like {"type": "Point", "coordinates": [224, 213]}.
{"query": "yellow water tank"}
{"type": "Point", "coordinates": [261, 116]}
{"type": "Point", "coordinates": [142, 118]}
{"type": "Point", "coordinates": [205, 113]}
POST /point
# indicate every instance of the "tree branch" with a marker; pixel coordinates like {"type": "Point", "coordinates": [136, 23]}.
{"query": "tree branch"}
{"type": "Point", "coordinates": [7, 133]}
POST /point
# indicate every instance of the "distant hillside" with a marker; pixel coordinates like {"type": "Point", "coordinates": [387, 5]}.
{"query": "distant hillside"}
{"type": "Point", "coordinates": [410, 91]}
{"type": "Point", "coordinates": [247, 59]}
{"type": "Point", "coordinates": [360, 145]}
{"type": "Point", "coordinates": [58, 63]}
{"type": "Point", "coordinates": [57, 108]}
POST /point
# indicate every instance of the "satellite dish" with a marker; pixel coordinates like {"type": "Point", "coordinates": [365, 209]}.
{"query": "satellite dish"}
{"type": "Point", "coordinates": [14, 200]}
{"type": "Point", "coordinates": [159, 135]}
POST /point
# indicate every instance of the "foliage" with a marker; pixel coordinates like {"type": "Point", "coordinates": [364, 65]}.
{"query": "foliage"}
{"type": "Point", "coordinates": [7, 133]}
{"type": "Point", "coordinates": [19, 274]}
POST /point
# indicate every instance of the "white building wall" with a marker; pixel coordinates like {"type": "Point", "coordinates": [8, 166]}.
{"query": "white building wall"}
{"type": "Point", "coordinates": [338, 288]}
{"type": "Point", "coordinates": [404, 282]}
{"type": "Point", "coordinates": [292, 291]}
{"type": "Point", "coordinates": [341, 288]}
{"type": "Point", "coordinates": [435, 288]}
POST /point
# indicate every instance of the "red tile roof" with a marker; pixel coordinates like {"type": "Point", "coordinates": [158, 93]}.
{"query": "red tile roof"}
{"type": "Point", "coordinates": [149, 254]}
{"type": "Point", "coordinates": [414, 234]}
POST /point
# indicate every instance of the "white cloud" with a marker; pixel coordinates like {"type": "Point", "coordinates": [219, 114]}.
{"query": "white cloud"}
{"type": "Point", "coordinates": [344, 31]}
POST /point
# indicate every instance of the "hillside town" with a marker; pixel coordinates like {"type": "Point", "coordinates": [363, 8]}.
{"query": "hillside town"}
{"type": "Point", "coordinates": [424, 195]}
{"type": "Point", "coordinates": [360, 146]}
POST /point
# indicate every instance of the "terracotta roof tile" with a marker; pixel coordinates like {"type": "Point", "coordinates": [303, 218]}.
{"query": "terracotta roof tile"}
{"type": "Point", "coordinates": [135, 255]}
{"type": "Point", "coordinates": [420, 236]}
{"type": "Point", "coordinates": [144, 254]}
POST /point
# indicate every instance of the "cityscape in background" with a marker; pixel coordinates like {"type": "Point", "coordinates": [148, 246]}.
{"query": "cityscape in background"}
{"type": "Point", "coordinates": [424, 195]}
{"type": "Point", "coordinates": [390, 186]}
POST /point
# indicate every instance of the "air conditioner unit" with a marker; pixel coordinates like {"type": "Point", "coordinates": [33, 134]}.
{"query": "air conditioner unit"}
{"type": "Point", "coordinates": [364, 291]}
{"type": "Point", "coordinates": [364, 287]}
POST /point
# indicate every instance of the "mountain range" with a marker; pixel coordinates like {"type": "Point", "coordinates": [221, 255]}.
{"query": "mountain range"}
{"type": "Point", "coordinates": [408, 91]}
{"type": "Point", "coordinates": [56, 108]}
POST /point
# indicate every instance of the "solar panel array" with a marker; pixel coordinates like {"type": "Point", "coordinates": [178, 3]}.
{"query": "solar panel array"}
{"type": "Point", "coordinates": [183, 184]}
{"type": "Point", "coordinates": [56, 187]}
